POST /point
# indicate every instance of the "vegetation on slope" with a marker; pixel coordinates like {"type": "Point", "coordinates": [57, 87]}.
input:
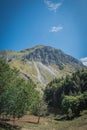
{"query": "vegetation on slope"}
{"type": "Point", "coordinates": [45, 55]}
{"type": "Point", "coordinates": [68, 94]}
{"type": "Point", "coordinates": [16, 96]}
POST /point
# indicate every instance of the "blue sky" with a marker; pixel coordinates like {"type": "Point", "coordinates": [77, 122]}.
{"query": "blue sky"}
{"type": "Point", "coordinates": [58, 23]}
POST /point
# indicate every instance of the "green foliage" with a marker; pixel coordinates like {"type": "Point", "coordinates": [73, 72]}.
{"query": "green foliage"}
{"type": "Point", "coordinates": [16, 96]}
{"type": "Point", "coordinates": [69, 93]}
{"type": "Point", "coordinates": [54, 93]}
{"type": "Point", "coordinates": [83, 101]}
{"type": "Point", "coordinates": [40, 109]}
{"type": "Point", "coordinates": [6, 75]}
{"type": "Point", "coordinates": [70, 106]}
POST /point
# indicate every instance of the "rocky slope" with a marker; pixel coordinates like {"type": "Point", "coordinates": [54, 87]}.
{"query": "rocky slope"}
{"type": "Point", "coordinates": [42, 63]}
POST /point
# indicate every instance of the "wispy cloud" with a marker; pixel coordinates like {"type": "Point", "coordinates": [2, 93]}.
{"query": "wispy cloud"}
{"type": "Point", "coordinates": [56, 29]}
{"type": "Point", "coordinates": [52, 6]}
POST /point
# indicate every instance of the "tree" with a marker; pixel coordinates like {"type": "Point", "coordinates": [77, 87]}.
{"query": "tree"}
{"type": "Point", "coordinates": [83, 101]}
{"type": "Point", "coordinates": [40, 109]}
{"type": "Point", "coordinates": [7, 77]}
{"type": "Point", "coordinates": [16, 95]}
{"type": "Point", "coordinates": [70, 106]}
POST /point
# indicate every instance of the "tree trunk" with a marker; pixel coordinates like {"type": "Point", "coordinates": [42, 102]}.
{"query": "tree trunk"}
{"type": "Point", "coordinates": [38, 120]}
{"type": "Point", "coordinates": [13, 120]}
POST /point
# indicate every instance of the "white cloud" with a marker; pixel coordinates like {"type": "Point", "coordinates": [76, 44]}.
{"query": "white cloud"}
{"type": "Point", "coordinates": [56, 28]}
{"type": "Point", "coordinates": [84, 61]}
{"type": "Point", "coordinates": [52, 6]}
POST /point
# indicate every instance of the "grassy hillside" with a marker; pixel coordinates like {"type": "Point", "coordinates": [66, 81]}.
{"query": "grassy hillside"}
{"type": "Point", "coordinates": [28, 67]}
{"type": "Point", "coordinates": [42, 63]}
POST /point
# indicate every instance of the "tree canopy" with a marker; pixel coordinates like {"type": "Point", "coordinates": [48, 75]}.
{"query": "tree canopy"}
{"type": "Point", "coordinates": [16, 95]}
{"type": "Point", "coordinates": [69, 91]}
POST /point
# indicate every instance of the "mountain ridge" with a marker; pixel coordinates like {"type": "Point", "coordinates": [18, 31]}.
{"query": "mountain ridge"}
{"type": "Point", "coordinates": [45, 51]}
{"type": "Point", "coordinates": [42, 63]}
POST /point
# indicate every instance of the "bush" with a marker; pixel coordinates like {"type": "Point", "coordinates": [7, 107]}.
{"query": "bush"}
{"type": "Point", "coordinates": [70, 106]}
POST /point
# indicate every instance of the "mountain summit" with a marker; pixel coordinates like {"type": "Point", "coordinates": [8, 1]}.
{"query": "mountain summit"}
{"type": "Point", "coordinates": [42, 63]}
{"type": "Point", "coordinates": [49, 55]}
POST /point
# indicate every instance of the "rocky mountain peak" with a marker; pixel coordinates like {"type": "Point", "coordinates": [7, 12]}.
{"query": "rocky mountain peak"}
{"type": "Point", "coordinates": [49, 55]}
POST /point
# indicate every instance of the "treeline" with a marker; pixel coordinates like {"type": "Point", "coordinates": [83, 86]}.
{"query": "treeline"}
{"type": "Point", "coordinates": [17, 96]}
{"type": "Point", "coordinates": [69, 94]}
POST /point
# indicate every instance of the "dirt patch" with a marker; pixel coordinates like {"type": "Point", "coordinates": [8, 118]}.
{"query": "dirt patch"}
{"type": "Point", "coordinates": [27, 119]}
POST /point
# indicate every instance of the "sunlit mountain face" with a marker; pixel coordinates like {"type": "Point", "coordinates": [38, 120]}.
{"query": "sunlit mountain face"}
{"type": "Point", "coordinates": [42, 63]}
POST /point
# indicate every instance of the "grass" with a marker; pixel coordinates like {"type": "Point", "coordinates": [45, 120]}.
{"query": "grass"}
{"type": "Point", "coordinates": [76, 124]}
{"type": "Point", "coordinates": [49, 123]}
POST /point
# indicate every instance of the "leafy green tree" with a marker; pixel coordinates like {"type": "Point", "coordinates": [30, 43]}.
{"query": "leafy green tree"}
{"type": "Point", "coordinates": [7, 77]}
{"type": "Point", "coordinates": [16, 95]}
{"type": "Point", "coordinates": [83, 80]}
{"type": "Point", "coordinates": [83, 101]}
{"type": "Point", "coordinates": [70, 106]}
{"type": "Point", "coordinates": [40, 109]}
{"type": "Point", "coordinates": [70, 86]}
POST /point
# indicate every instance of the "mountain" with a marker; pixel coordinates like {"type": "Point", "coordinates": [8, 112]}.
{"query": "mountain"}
{"type": "Point", "coordinates": [84, 61]}
{"type": "Point", "coordinates": [41, 63]}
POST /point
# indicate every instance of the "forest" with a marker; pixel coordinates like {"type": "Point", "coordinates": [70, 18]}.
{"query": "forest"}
{"type": "Point", "coordinates": [17, 96]}
{"type": "Point", "coordinates": [66, 96]}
